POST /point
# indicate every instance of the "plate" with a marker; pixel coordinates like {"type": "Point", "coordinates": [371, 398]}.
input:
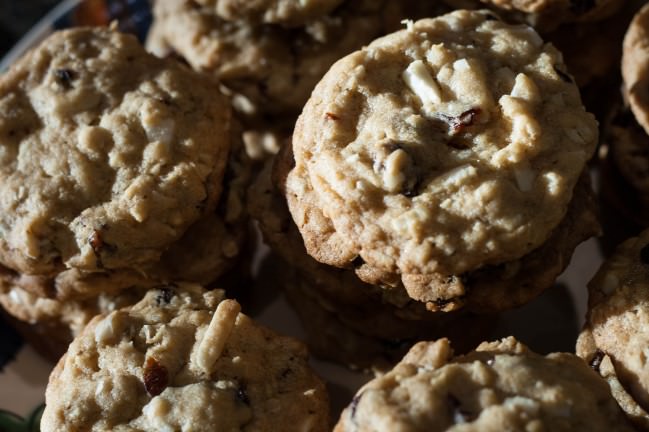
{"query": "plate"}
{"type": "Point", "coordinates": [549, 323]}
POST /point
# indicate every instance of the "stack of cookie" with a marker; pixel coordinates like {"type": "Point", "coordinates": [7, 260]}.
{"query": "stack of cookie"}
{"type": "Point", "coordinates": [114, 180]}
{"type": "Point", "coordinates": [347, 320]}
{"type": "Point", "coordinates": [123, 186]}
{"type": "Point", "coordinates": [614, 338]}
{"type": "Point", "coordinates": [444, 165]}
{"type": "Point", "coordinates": [270, 54]}
{"type": "Point", "coordinates": [624, 156]}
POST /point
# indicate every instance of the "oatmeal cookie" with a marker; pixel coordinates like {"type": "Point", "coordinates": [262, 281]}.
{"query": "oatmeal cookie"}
{"type": "Point", "coordinates": [347, 320]}
{"type": "Point", "coordinates": [285, 12]}
{"type": "Point", "coordinates": [49, 325]}
{"type": "Point", "coordinates": [271, 70]}
{"type": "Point", "coordinates": [635, 66]}
{"type": "Point", "coordinates": [489, 289]}
{"type": "Point", "coordinates": [181, 358]}
{"type": "Point", "coordinates": [205, 253]}
{"type": "Point", "coordinates": [438, 150]}
{"type": "Point", "coordinates": [109, 154]}
{"type": "Point", "coordinates": [546, 15]}
{"type": "Point", "coordinates": [624, 170]}
{"type": "Point", "coordinates": [615, 336]}
{"type": "Point", "coordinates": [499, 386]}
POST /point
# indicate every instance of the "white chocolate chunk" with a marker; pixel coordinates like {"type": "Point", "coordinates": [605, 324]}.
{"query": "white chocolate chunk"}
{"type": "Point", "coordinates": [217, 334]}
{"type": "Point", "coordinates": [395, 164]}
{"type": "Point", "coordinates": [420, 81]}
{"type": "Point", "coordinates": [109, 328]}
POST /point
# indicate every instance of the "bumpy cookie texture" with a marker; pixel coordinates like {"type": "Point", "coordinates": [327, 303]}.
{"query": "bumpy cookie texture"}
{"type": "Point", "coordinates": [500, 386]}
{"type": "Point", "coordinates": [615, 336]}
{"type": "Point", "coordinates": [183, 359]}
{"type": "Point", "coordinates": [635, 66]}
{"type": "Point", "coordinates": [437, 150]}
{"type": "Point", "coordinates": [108, 154]}
{"type": "Point", "coordinates": [287, 12]}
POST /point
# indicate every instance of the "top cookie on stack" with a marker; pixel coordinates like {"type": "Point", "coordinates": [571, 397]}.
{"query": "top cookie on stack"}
{"type": "Point", "coordinates": [438, 151]}
{"type": "Point", "coordinates": [110, 156]}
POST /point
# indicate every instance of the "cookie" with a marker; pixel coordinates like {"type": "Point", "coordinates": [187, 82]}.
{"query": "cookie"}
{"type": "Point", "coordinates": [267, 206]}
{"type": "Point", "coordinates": [350, 203]}
{"type": "Point", "coordinates": [183, 358]}
{"type": "Point", "coordinates": [635, 66]}
{"type": "Point", "coordinates": [73, 315]}
{"type": "Point", "coordinates": [212, 251]}
{"type": "Point", "coordinates": [371, 336]}
{"type": "Point", "coordinates": [623, 165]}
{"type": "Point", "coordinates": [202, 253]}
{"type": "Point", "coordinates": [270, 70]}
{"type": "Point", "coordinates": [130, 153]}
{"type": "Point", "coordinates": [500, 386]}
{"type": "Point", "coordinates": [285, 12]}
{"type": "Point", "coordinates": [614, 337]}
{"type": "Point", "coordinates": [545, 15]}
{"type": "Point", "coordinates": [486, 290]}
{"type": "Point", "coordinates": [423, 178]}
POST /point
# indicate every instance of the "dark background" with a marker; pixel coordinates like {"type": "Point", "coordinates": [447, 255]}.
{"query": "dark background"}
{"type": "Point", "coordinates": [17, 17]}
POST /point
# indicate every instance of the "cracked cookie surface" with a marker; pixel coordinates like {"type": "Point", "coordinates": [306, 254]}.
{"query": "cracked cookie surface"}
{"type": "Point", "coordinates": [183, 358]}
{"type": "Point", "coordinates": [439, 149]}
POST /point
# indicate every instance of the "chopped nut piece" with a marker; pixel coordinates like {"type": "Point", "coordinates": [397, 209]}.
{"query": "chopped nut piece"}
{"type": "Point", "coordinates": [217, 334]}
{"type": "Point", "coordinates": [422, 83]}
{"type": "Point", "coordinates": [108, 329]}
